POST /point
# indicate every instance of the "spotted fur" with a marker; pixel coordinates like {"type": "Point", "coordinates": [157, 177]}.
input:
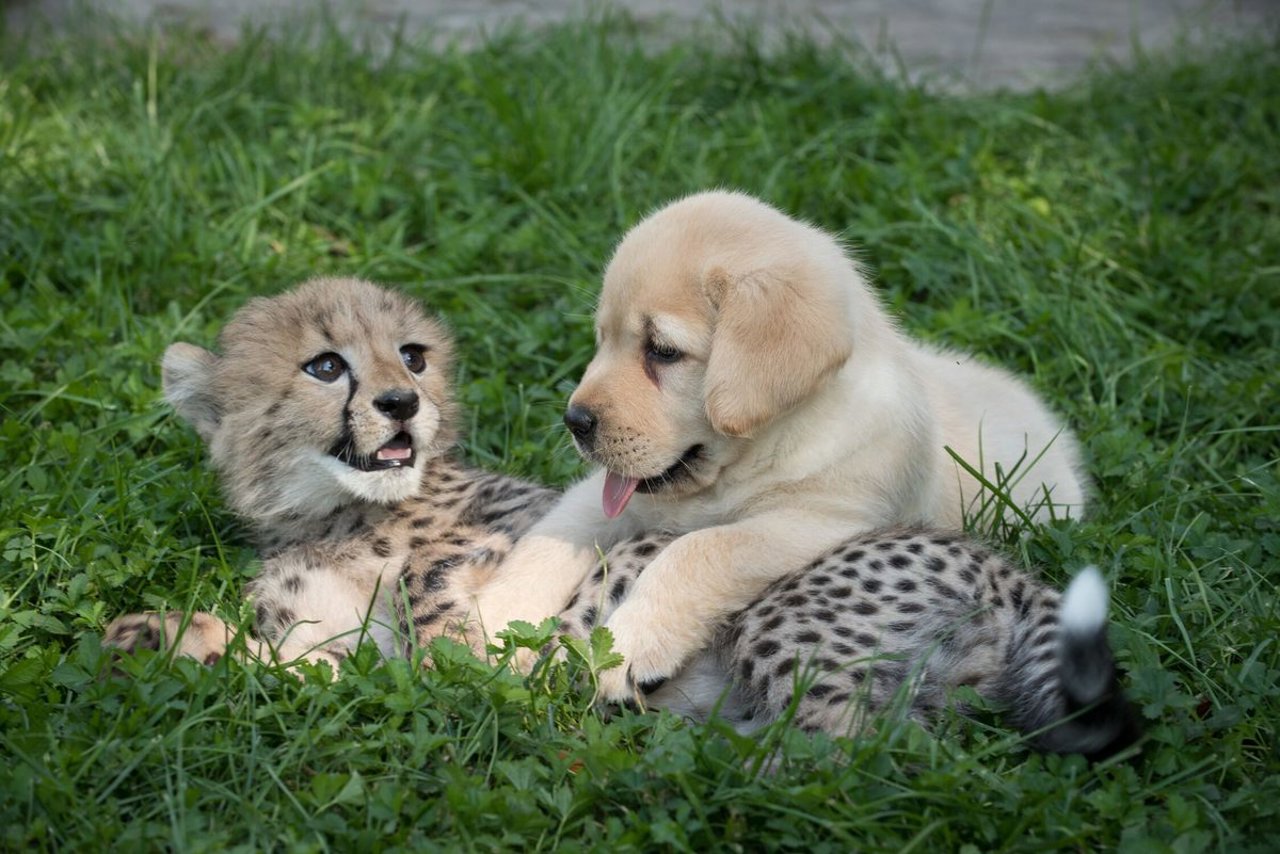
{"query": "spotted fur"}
{"type": "Point", "coordinates": [894, 617]}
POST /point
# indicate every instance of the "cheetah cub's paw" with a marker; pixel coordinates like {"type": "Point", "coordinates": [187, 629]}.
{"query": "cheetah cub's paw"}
{"type": "Point", "coordinates": [204, 637]}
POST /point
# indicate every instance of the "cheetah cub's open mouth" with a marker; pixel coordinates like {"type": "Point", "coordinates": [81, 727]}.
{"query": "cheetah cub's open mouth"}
{"type": "Point", "coordinates": [397, 453]}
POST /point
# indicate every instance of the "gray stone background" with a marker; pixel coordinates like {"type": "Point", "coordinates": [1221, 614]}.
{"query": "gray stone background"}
{"type": "Point", "coordinates": [956, 43]}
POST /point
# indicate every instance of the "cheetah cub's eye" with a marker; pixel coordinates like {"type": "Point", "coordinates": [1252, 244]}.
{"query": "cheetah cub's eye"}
{"type": "Point", "coordinates": [326, 367]}
{"type": "Point", "coordinates": [414, 360]}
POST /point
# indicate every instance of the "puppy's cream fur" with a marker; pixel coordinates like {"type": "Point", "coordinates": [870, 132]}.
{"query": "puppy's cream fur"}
{"type": "Point", "coordinates": [747, 370]}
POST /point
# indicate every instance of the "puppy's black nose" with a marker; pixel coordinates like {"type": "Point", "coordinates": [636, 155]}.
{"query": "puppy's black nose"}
{"type": "Point", "coordinates": [581, 423]}
{"type": "Point", "coordinates": [399, 404]}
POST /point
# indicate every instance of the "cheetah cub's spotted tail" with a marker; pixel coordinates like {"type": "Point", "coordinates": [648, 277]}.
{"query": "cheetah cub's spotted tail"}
{"type": "Point", "coordinates": [1071, 699]}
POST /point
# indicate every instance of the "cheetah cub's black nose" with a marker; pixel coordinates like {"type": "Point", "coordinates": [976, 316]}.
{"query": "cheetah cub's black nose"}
{"type": "Point", "coordinates": [399, 404]}
{"type": "Point", "coordinates": [581, 423]}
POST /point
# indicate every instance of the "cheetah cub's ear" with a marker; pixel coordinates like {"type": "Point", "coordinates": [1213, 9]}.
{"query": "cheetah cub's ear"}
{"type": "Point", "coordinates": [187, 375]}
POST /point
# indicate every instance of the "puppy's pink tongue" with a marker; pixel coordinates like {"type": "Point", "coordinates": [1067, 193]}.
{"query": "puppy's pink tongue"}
{"type": "Point", "coordinates": [617, 492]}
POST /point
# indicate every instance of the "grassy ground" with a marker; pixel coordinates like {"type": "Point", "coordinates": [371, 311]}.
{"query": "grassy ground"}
{"type": "Point", "coordinates": [1117, 242]}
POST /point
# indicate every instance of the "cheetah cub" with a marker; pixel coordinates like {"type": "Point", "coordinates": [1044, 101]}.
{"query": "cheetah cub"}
{"type": "Point", "coordinates": [897, 617]}
{"type": "Point", "coordinates": [329, 417]}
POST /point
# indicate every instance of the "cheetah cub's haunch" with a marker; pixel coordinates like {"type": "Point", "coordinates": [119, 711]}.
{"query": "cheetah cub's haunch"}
{"type": "Point", "coordinates": [899, 617]}
{"type": "Point", "coordinates": [329, 417]}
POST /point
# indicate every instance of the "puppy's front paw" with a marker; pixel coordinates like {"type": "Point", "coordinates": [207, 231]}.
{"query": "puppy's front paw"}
{"type": "Point", "coordinates": [619, 686]}
{"type": "Point", "coordinates": [616, 685]}
{"type": "Point", "coordinates": [646, 665]}
{"type": "Point", "coordinates": [204, 637]}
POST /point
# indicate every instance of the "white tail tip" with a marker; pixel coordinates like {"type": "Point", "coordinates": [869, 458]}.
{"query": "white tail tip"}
{"type": "Point", "coordinates": [1084, 605]}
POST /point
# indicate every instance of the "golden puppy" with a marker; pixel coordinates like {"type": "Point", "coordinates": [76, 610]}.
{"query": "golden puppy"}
{"type": "Point", "coordinates": [750, 392]}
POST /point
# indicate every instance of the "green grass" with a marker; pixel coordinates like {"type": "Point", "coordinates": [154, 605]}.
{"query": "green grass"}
{"type": "Point", "coordinates": [1117, 242]}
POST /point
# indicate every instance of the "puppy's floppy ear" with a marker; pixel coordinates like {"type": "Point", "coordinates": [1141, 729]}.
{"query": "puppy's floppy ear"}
{"type": "Point", "coordinates": [776, 337]}
{"type": "Point", "coordinates": [187, 375]}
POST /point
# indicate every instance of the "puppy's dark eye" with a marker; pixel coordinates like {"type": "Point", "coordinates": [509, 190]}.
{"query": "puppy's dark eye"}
{"type": "Point", "coordinates": [414, 357]}
{"type": "Point", "coordinates": [327, 367]}
{"type": "Point", "coordinates": [662, 353]}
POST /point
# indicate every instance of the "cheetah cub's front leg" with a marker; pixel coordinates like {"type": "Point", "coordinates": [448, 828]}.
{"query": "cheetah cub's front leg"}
{"type": "Point", "coordinates": [204, 637]}
{"type": "Point", "coordinates": [302, 612]}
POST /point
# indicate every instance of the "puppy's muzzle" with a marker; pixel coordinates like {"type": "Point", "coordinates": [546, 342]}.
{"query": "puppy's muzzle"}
{"type": "Point", "coordinates": [582, 424]}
